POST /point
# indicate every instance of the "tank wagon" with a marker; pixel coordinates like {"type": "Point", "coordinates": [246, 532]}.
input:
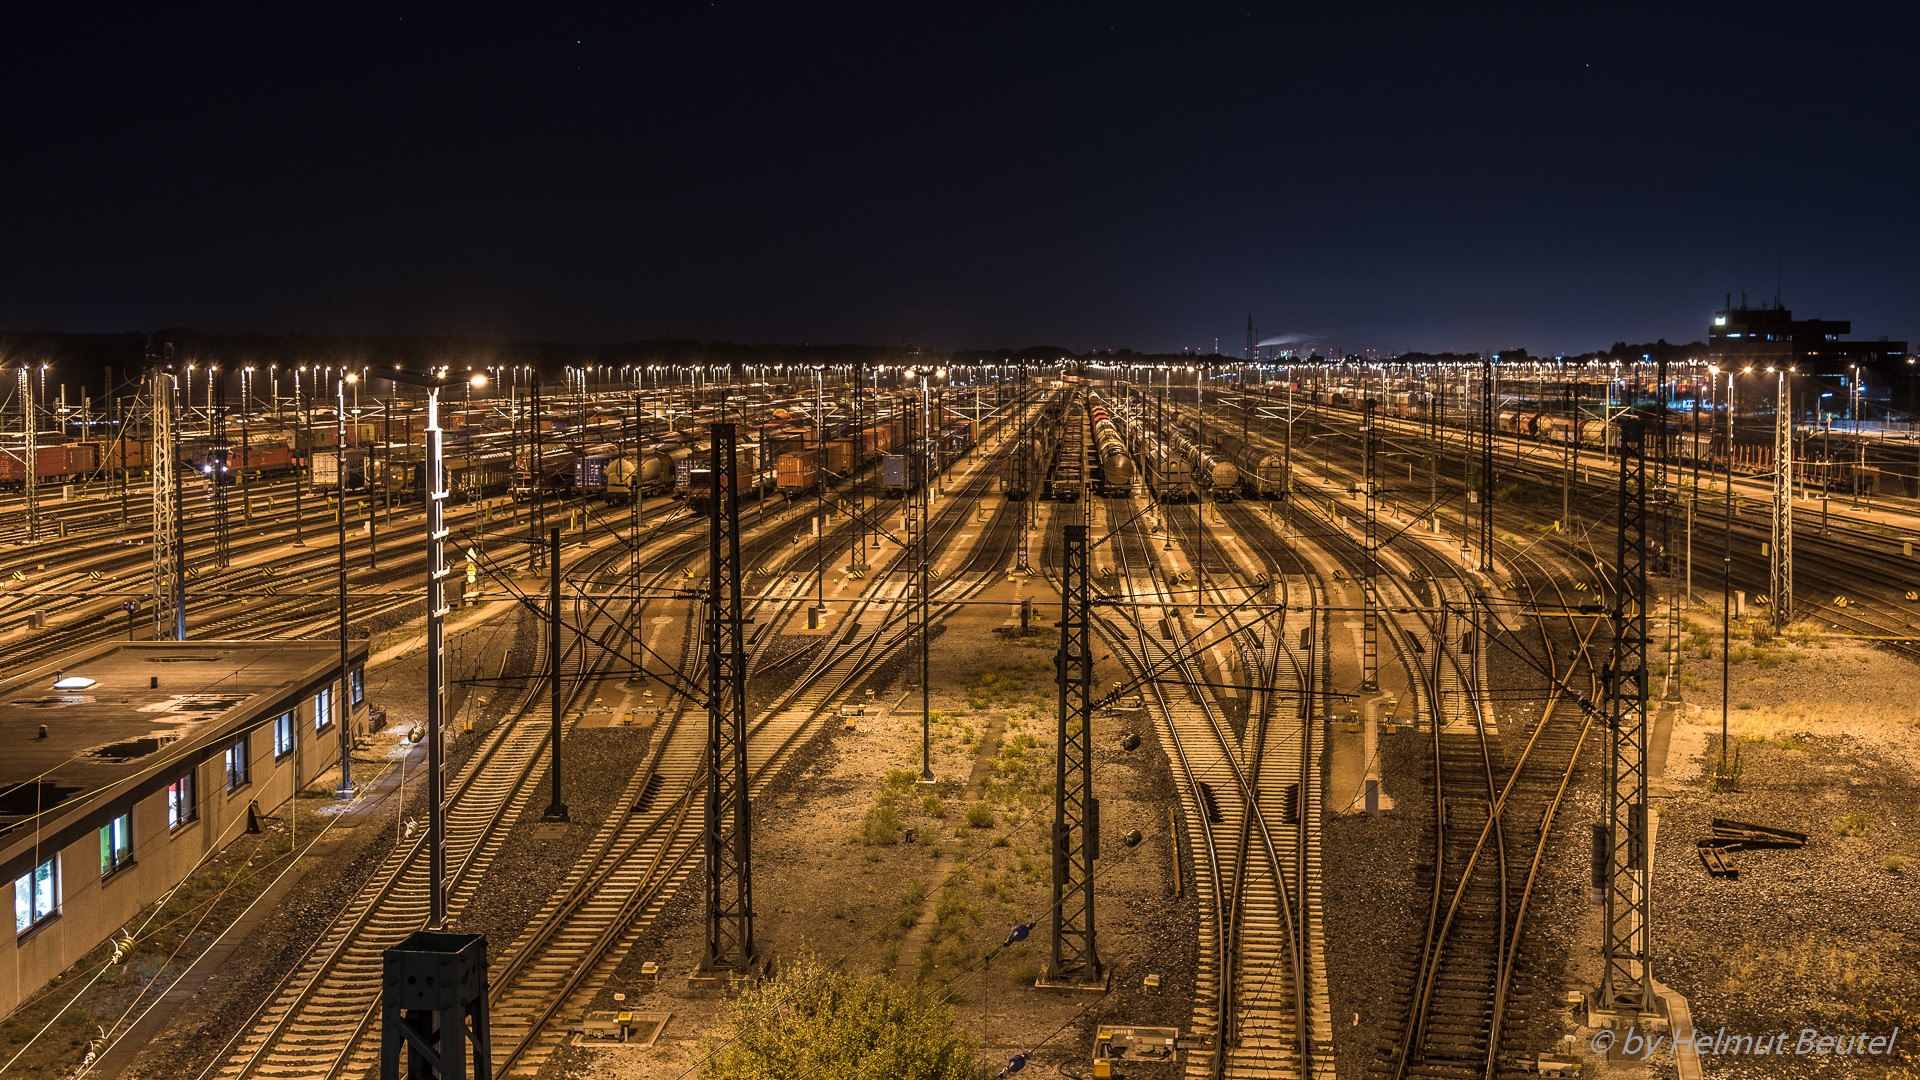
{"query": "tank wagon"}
{"type": "Point", "coordinates": [1115, 465]}
{"type": "Point", "coordinates": [1262, 472]}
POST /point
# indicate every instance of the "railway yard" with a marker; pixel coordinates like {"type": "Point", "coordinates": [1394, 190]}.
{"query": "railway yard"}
{"type": "Point", "coordinates": [1154, 723]}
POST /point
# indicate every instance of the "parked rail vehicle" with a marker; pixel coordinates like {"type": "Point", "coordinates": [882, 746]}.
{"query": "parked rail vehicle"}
{"type": "Point", "coordinates": [468, 474]}
{"type": "Point", "coordinates": [238, 462]}
{"type": "Point", "coordinates": [956, 439]}
{"type": "Point", "coordinates": [1263, 474]}
{"type": "Point", "coordinates": [550, 473]}
{"type": "Point", "coordinates": [799, 470]}
{"type": "Point", "coordinates": [328, 467]}
{"type": "Point", "coordinates": [1213, 471]}
{"type": "Point", "coordinates": [590, 470]}
{"type": "Point", "coordinates": [908, 468]}
{"type": "Point", "coordinates": [1113, 473]}
{"type": "Point", "coordinates": [58, 464]}
{"type": "Point", "coordinates": [750, 479]}
{"type": "Point", "coordinates": [1024, 473]}
{"type": "Point", "coordinates": [652, 471]}
{"type": "Point", "coordinates": [1168, 474]}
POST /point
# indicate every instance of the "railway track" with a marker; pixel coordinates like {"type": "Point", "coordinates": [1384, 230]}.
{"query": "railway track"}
{"type": "Point", "coordinates": [573, 948]}
{"type": "Point", "coordinates": [318, 1023]}
{"type": "Point", "coordinates": [1252, 842]}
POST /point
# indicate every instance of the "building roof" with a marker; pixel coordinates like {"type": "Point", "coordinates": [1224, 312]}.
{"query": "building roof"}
{"type": "Point", "coordinates": [148, 704]}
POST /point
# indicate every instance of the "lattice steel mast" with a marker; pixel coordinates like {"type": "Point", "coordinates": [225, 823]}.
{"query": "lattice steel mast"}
{"type": "Point", "coordinates": [919, 481]}
{"type": "Point", "coordinates": [1076, 813]}
{"type": "Point", "coordinates": [1627, 980]}
{"type": "Point", "coordinates": [215, 469]}
{"type": "Point", "coordinates": [1487, 402]}
{"type": "Point", "coordinates": [1023, 468]}
{"type": "Point", "coordinates": [1780, 577]}
{"type": "Point", "coordinates": [30, 471]}
{"type": "Point", "coordinates": [169, 599]}
{"type": "Point", "coordinates": [728, 826]}
{"type": "Point", "coordinates": [1370, 613]}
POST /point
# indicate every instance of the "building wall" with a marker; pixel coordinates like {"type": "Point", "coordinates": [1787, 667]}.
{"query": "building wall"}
{"type": "Point", "coordinates": [93, 908]}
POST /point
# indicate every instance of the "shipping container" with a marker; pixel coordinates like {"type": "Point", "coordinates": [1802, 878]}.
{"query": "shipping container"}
{"type": "Point", "coordinates": [799, 470]}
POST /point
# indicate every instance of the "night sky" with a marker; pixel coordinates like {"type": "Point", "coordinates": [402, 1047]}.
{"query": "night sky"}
{"type": "Point", "coordinates": [1354, 176]}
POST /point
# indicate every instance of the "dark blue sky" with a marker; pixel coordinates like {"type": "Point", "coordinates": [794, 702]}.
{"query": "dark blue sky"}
{"type": "Point", "coordinates": [965, 175]}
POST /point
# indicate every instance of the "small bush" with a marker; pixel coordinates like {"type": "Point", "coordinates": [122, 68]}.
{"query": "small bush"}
{"type": "Point", "coordinates": [1001, 841]}
{"type": "Point", "coordinates": [1026, 973]}
{"type": "Point", "coordinates": [933, 806]}
{"type": "Point", "coordinates": [962, 832]}
{"type": "Point", "coordinates": [1893, 864]}
{"type": "Point", "coordinates": [837, 910]}
{"type": "Point", "coordinates": [979, 817]}
{"type": "Point", "coordinates": [1744, 706]}
{"type": "Point", "coordinates": [881, 826]}
{"type": "Point", "coordinates": [900, 780]}
{"type": "Point", "coordinates": [1854, 824]}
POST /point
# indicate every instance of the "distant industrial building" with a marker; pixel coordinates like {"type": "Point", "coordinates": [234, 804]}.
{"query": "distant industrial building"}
{"type": "Point", "coordinates": [1770, 335]}
{"type": "Point", "coordinates": [131, 762]}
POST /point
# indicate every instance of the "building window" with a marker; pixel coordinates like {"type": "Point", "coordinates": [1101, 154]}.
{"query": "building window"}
{"type": "Point", "coordinates": [34, 898]}
{"type": "Point", "coordinates": [116, 844]}
{"type": "Point", "coordinates": [180, 808]}
{"type": "Point", "coordinates": [282, 735]}
{"type": "Point", "coordinates": [357, 685]}
{"type": "Point", "coordinates": [236, 761]}
{"type": "Point", "coordinates": [323, 709]}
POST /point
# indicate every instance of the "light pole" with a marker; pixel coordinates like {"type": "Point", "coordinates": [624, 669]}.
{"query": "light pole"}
{"type": "Point", "coordinates": [433, 496]}
{"type": "Point", "coordinates": [345, 711]}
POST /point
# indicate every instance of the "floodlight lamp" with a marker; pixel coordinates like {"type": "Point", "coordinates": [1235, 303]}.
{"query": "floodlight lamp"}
{"type": "Point", "coordinates": [477, 379]}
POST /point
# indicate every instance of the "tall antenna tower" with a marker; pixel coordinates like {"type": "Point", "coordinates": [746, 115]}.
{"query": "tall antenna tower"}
{"type": "Point", "coordinates": [1248, 355]}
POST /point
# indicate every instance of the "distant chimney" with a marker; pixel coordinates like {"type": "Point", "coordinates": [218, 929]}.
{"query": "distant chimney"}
{"type": "Point", "coordinates": [153, 682]}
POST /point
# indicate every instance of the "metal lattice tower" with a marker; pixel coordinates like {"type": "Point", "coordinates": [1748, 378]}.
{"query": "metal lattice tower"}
{"type": "Point", "coordinates": [1487, 402]}
{"type": "Point", "coordinates": [728, 824]}
{"type": "Point", "coordinates": [1626, 984]}
{"type": "Point", "coordinates": [919, 481]}
{"type": "Point", "coordinates": [30, 471]}
{"type": "Point", "coordinates": [1076, 813]}
{"type": "Point", "coordinates": [1370, 614]}
{"type": "Point", "coordinates": [169, 614]}
{"type": "Point", "coordinates": [1023, 468]}
{"type": "Point", "coordinates": [217, 463]}
{"type": "Point", "coordinates": [536, 478]}
{"type": "Point", "coordinates": [859, 560]}
{"type": "Point", "coordinates": [1662, 496]}
{"type": "Point", "coordinates": [1780, 578]}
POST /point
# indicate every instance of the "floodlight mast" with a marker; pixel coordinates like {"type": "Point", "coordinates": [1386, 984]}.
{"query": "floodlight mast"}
{"type": "Point", "coordinates": [434, 496]}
